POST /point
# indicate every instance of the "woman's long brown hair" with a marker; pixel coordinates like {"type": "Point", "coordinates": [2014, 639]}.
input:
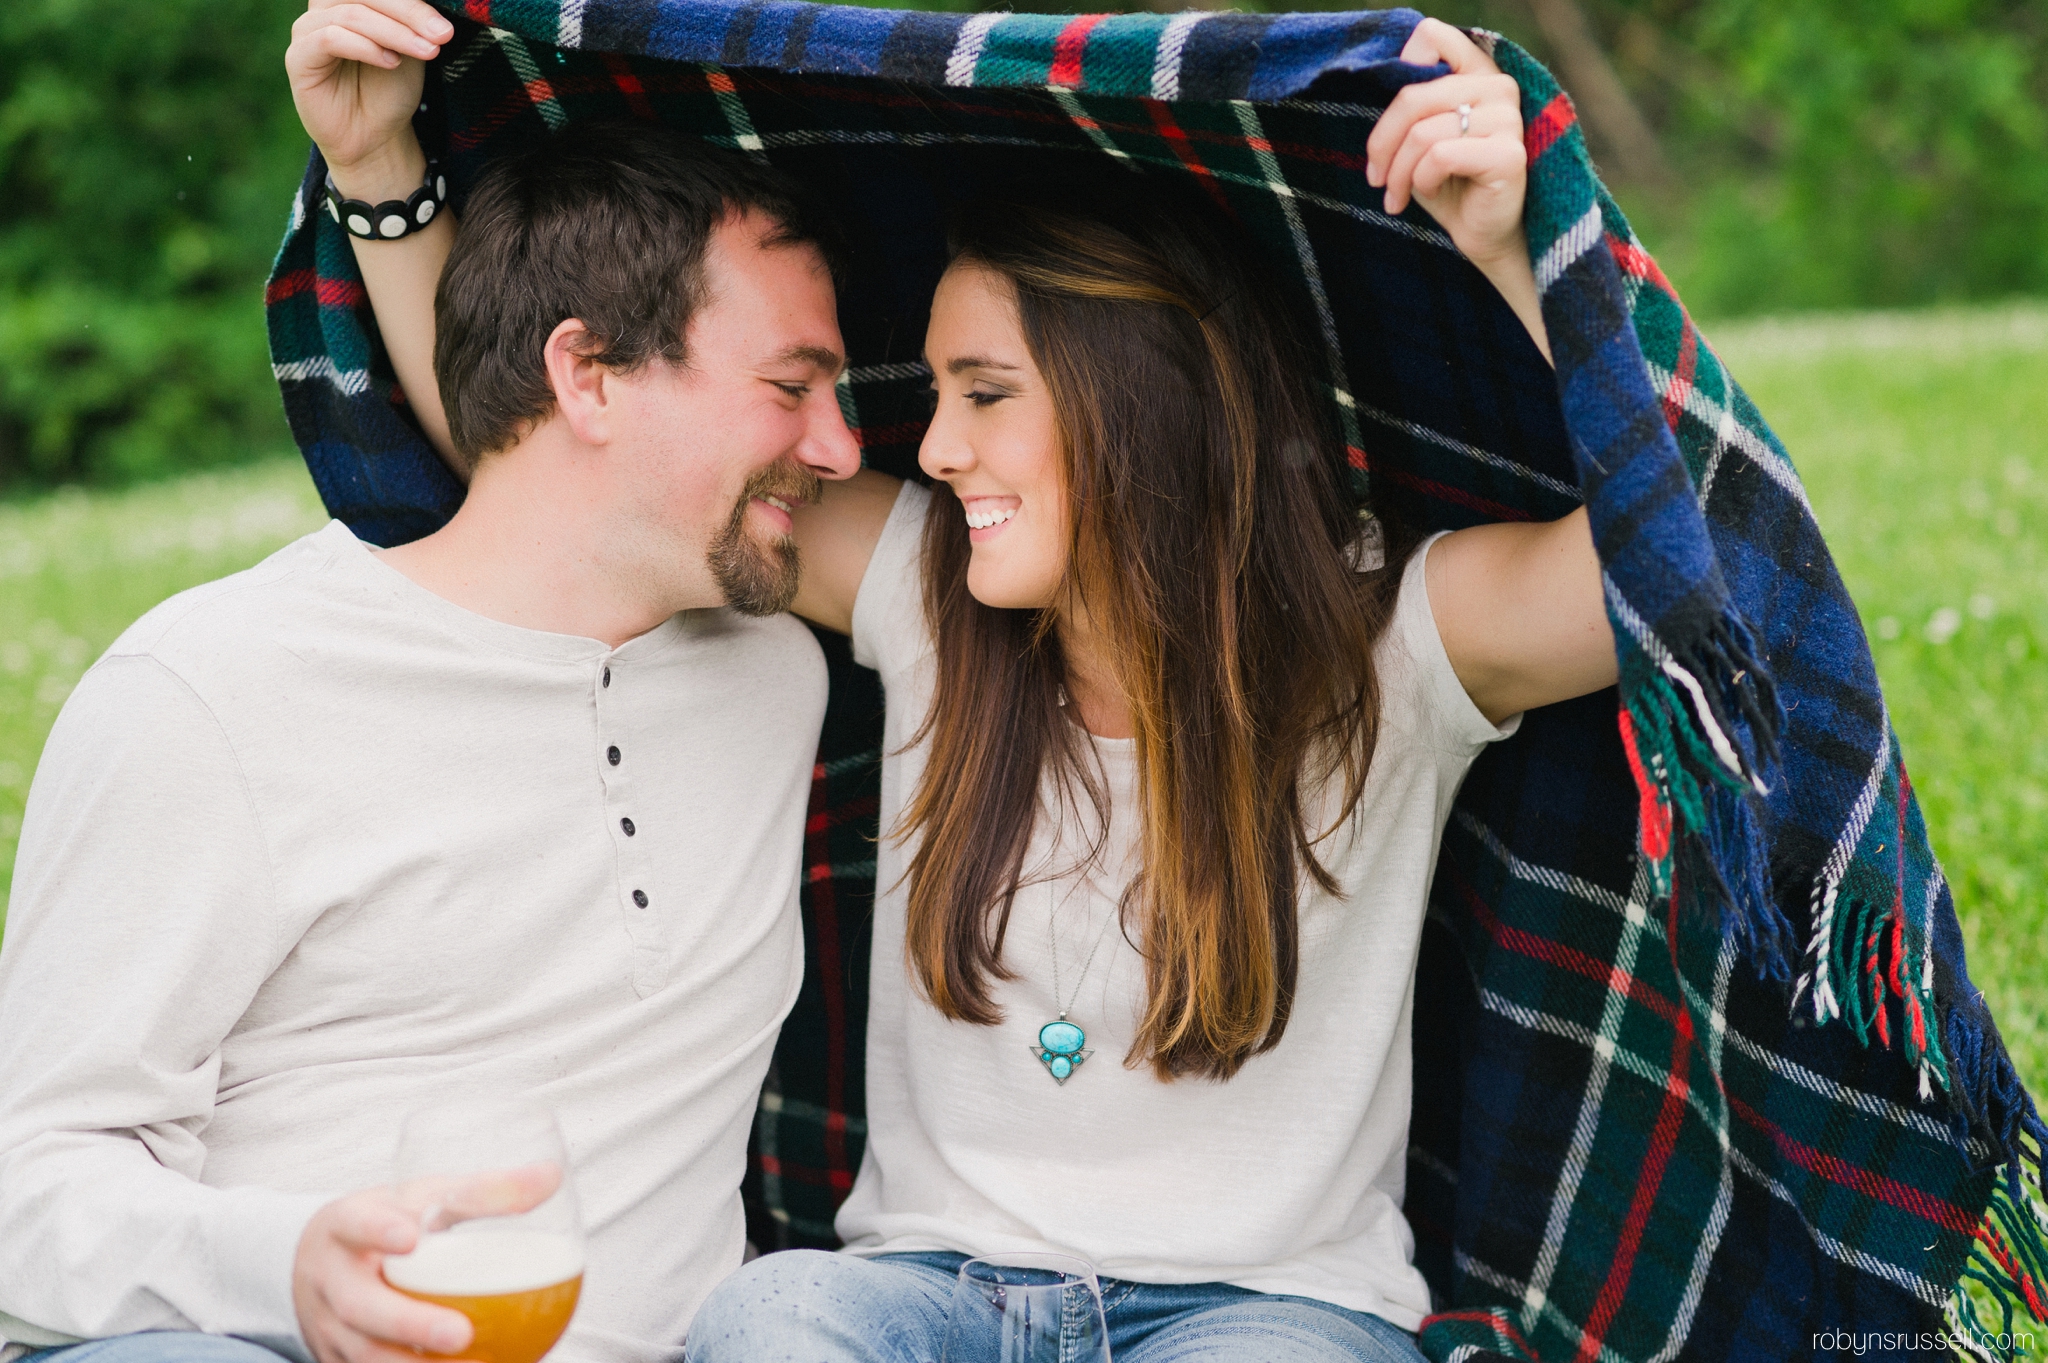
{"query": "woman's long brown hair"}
{"type": "Point", "coordinates": [1211, 518]}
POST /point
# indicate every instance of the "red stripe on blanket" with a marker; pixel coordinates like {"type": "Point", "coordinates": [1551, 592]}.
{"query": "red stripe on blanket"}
{"type": "Point", "coordinates": [1873, 966]}
{"type": "Point", "coordinates": [1177, 141]}
{"type": "Point", "coordinates": [1653, 816]}
{"type": "Point", "coordinates": [339, 293]}
{"type": "Point", "coordinates": [1542, 949]}
{"type": "Point", "coordinates": [288, 285]}
{"type": "Point", "coordinates": [331, 293]}
{"type": "Point", "coordinates": [1549, 125]}
{"type": "Point", "coordinates": [839, 1180]}
{"type": "Point", "coordinates": [1916, 1022]}
{"type": "Point", "coordinates": [831, 982]}
{"type": "Point", "coordinates": [1067, 50]}
{"type": "Point", "coordinates": [1681, 375]}
{"type": "Point", "coordinates": [1502, 1326]}
{"type": "Point", "coordinates": [1943, 1214]}
{"type": "Point", "coordinates": [629, 85]}
{"type": "Point", "coordinates": [902, 433]}
{"type": "Point", "coordinates": [1663, 1140]}
{"type": "Point", "coordinates": [1639, 264]}
{"type": "Point", "coordinates": [477, 11]}
{"type": "Point", "coordinates": [509, 107]}
{"type": "Point", "coordinates": [833, 815]}
{"type": "Point", "coordinates": [1443, 492]}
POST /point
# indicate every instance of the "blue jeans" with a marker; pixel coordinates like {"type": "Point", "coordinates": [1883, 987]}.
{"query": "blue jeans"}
{"type": "Point", "coordinates": [158, 1346]}
{"type": "Point", "coordinates": [806, 1306]}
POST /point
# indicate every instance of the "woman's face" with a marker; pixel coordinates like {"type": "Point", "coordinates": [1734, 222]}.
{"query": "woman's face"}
{"type": "Point", "coordinates": [995, 440]}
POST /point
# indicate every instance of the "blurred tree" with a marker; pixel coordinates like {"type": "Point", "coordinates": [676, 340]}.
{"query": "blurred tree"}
{"type": "Point", "coordinates": [1831, 153]}
{"type": "Point", "coordinates": [147, 154]}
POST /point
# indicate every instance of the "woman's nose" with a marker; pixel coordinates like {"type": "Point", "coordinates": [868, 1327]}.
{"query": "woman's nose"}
{"type": "Point", "coordinates": [943, 454]}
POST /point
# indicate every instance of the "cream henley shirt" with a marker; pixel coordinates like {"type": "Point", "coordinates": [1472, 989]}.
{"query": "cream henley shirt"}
{"type": "Point", "coordinates": [310, 846]}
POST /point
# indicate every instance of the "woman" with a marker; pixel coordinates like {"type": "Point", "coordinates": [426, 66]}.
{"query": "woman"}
{"type": "Point", "coordinates": [1170, 752]}
{"type": "Point", "coordinates": [1163, 786]}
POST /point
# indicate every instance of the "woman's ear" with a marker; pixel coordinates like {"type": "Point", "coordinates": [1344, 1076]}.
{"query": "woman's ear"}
{"type": "Point", "coordinates": [582, 385]}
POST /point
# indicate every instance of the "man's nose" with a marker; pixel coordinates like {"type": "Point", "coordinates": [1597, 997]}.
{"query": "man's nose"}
{"type": "Point", "coordinates": [829, 449]}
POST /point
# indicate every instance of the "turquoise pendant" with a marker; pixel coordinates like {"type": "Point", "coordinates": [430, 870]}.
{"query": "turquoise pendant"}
{"type": "Point", "coordinates": [1059, 1049]}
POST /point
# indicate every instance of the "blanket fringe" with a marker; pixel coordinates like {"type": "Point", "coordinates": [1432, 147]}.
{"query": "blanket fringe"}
{"type": "Point", "coordinates": [1862, 955]}
{"type": "Point", "coordinates": [2008, 1262]}
{"type": "Point", "coordinates": [1871, 961]}
{"type": "Point", "coordinates": [1989, 1098]}
{"type": "Point", "coordinates": [1700, 729]}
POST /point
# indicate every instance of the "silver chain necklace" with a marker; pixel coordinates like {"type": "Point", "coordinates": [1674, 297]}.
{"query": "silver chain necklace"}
{"type": "Point", "coordinates": [1061, 1044]}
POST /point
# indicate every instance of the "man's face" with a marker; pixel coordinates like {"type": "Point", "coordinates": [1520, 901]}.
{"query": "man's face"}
{"type": "Point", "coordinates": [716, 453]}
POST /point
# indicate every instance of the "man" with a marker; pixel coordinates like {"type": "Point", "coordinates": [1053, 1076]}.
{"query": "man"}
{"type": "Point", "coordinates": [514, 808]}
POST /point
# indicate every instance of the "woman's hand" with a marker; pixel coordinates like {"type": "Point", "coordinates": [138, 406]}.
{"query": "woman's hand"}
{"type": "Point", "coordinates": [1454, 145]}
{"type": "Point", "coordinates": [1472, 182]}
{"type": "Point", "coordinates": [356, 69]}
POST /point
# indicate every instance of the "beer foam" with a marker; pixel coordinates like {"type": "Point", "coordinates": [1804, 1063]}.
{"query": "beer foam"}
{"type": "Point", "coordinates": [485, 1263]}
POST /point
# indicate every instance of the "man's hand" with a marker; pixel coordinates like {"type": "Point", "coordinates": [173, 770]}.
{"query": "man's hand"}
{"type": "Point", "coordinates": [347, 1312]}
{"type": "Point", "coordinates": [356, 72]}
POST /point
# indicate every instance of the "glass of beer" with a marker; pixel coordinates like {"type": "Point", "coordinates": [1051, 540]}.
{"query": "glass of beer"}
{"type": "Point", "coordinates": [501, 1239]}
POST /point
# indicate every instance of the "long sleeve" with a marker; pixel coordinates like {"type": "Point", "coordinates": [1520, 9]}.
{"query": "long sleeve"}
{"type": "Point", "coordinates": [141, 926]}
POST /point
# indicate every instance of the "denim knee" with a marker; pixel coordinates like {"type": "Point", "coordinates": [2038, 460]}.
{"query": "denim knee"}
{"type": "Point", "coordinates": [1276, 1329]}
{"type": "Point", "coordinates": [816, 1307]}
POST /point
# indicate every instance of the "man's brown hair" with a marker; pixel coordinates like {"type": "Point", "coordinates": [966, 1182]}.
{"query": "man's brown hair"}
{"type": "Point", "coordinates": [605, 222]}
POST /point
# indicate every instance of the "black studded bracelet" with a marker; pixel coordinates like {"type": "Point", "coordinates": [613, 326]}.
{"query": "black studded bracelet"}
{"type": "Point", "coordinates": [393, 218]}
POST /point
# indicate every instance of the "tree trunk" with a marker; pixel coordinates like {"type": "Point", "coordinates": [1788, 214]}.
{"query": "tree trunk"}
{"type": "Point", "coordinates": [1619, 128]}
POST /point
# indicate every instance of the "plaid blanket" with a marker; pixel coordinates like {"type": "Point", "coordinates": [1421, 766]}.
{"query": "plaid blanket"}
{"type": "Point", "coordinates": [1701, 1073]}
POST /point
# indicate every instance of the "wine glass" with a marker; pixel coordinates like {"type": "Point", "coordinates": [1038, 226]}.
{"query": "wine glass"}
{"type": "Point", "coordinates": [1027, 1308]}
{"type": "Point", "coordinates": [501, 1239]}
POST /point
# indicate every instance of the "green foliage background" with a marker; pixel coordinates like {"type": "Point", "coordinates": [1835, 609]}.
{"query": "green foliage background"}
{"type": "Point", "coordinates": [1827, 154]}
{"type": "Point", "coordinates": [148, 151]}
{"type": "Point", "coordinates": [1843, 153]}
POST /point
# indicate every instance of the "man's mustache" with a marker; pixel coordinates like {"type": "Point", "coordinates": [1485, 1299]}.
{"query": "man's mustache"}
{"type": "Point", "coordinates": [788, 482]}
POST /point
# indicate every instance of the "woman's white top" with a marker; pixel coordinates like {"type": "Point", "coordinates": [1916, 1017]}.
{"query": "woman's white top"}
{"type": "Point", "coordinates": [1287, 1178]}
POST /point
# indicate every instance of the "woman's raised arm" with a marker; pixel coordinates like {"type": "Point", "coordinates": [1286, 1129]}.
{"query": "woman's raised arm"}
{"type": "Point", "coordinates": [1520, 607]}
{"type": "Point", "coordinates": [357, 68]}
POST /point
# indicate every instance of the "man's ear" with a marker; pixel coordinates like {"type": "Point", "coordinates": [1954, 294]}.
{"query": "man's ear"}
{"type": "Point", "coordinates": [582, 385]}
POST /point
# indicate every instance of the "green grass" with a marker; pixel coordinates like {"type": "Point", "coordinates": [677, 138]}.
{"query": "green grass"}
{"type": "Point", "coordinates": [1923, 438]}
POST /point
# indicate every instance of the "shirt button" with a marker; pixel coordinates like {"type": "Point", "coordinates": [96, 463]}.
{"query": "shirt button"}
{"type": "Point", "coordinates": [607, 676]}
{"type": "Point", "coordinates": [612, 755]}
{"type": "Point", "coordinates": [627, 824]}
{"type": "Point", "coordinates": [640, 898]}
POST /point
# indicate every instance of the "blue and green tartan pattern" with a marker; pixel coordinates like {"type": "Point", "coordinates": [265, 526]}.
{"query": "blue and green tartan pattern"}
{"type": "Point", "coordinates": [1700, 1072]}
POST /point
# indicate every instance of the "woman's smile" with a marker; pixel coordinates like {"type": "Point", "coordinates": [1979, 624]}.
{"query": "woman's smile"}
{"type": "Point", "coordinates": [987, 516]}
